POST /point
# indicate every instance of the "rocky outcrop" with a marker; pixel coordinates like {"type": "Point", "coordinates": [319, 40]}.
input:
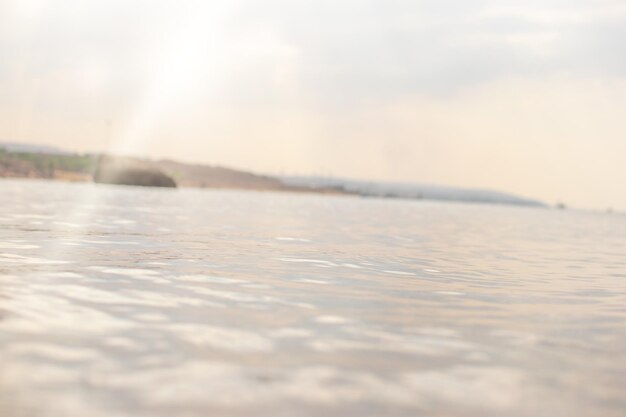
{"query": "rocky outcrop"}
{"type": "Point", "coordinates": [123, 171]}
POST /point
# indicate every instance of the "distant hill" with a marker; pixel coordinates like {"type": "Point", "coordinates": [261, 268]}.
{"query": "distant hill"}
{"type": "Point", "coordinates": [58, 165]}
{"type": "Point", "coordinates": [35, 161]}
{"type": "Point", "coordinates": [19, 163]}
{"type": "Point", "coordinates": [206, 176]}
{"type": "Point", "coordinates": [413, 191]}
{"type": "Point", "coordinates": [16, 147]}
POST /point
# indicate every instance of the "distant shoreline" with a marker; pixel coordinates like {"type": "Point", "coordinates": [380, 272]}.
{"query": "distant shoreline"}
{"type": "Point", "coordinates": [82, 168]}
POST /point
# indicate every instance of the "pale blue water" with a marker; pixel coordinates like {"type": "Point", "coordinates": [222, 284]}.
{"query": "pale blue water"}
{"type": "Point", "coordinates": [137, 302]}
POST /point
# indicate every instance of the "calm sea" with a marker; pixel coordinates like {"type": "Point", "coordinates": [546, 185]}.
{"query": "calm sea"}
{"type": "Point", "coordinates": [131, 302]}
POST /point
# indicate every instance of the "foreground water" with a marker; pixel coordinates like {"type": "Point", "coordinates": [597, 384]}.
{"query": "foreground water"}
{"type": "Point", "coordinates": [134, 302]}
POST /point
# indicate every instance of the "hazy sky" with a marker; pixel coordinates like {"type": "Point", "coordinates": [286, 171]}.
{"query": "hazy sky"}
{"type": "Point", "coordinates": [523, 96]}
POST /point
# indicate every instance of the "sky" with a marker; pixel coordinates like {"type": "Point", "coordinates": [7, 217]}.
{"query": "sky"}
{"type": "Point", "coordinates": [525, 96]}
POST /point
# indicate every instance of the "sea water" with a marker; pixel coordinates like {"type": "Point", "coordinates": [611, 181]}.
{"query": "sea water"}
{"type": "Point", "coordinates": [123, 301]}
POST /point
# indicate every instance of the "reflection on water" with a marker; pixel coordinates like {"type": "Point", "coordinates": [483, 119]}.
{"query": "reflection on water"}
{"type": "Point", "coordinates": [135, 302]}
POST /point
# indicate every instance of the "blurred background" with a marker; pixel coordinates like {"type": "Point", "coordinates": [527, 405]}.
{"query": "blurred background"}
{"type": "Point", "coordinates": [526, 97]}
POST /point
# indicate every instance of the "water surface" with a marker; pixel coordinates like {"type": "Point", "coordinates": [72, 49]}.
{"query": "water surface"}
{"type": "Point", "coordinates": [122, 301]}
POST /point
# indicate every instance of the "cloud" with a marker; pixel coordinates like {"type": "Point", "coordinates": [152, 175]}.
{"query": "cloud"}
{"type": "Point", "coordinates": [378, 49]}
{"type": "Point", "coordinates": [342, 51]}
